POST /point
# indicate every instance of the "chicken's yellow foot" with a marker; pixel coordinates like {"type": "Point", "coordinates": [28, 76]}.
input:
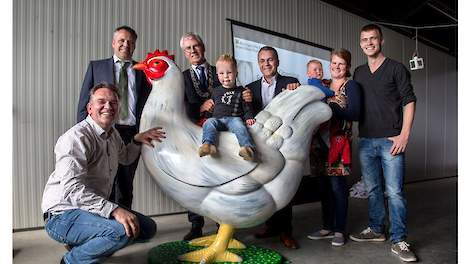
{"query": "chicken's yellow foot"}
{"type": "Point", "coordinates": [209, 255]}
{"type": "Point", "coordinates": [204, 241]}
{"type": "Point", "coordinates": [208, 240]}
{"type": "Point", "coordinates": [217, 251]}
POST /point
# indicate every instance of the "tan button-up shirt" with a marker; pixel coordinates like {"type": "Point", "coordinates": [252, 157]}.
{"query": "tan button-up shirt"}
{"type": "Point", "coordinates": [87, 160]}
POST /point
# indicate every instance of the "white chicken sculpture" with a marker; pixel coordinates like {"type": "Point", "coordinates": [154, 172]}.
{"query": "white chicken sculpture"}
{"type": "Point", "coordinates": [231, 191]}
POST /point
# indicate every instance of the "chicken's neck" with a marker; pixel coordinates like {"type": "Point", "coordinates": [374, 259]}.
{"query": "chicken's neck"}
{"type": "Point", "coordinates": [167, 95]}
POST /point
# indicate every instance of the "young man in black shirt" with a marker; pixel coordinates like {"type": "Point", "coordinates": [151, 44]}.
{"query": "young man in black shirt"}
{"type": "Point", "coordinates": [387, 117]}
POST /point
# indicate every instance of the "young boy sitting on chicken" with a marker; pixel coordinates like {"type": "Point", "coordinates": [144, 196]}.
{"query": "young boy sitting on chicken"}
{"type": "Point", "coordinates": [229, 112]}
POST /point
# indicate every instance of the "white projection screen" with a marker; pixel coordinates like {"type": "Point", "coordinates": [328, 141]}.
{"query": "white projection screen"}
{"type": "Point", "coordinates": [293, 53]}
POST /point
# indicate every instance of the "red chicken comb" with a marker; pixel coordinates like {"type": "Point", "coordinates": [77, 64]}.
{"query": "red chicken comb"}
{"type": "Point", "coordinates": [157, 53]}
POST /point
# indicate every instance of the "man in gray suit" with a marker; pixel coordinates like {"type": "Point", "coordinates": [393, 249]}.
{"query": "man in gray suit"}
{"type": "Point", "coordinates": [134, 91]}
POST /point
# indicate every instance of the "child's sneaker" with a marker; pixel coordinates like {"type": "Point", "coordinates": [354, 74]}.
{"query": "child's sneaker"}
{"type": "Point", "coordinates": [247, 153]}
{"type": "Point", "coordinates": [206, 149]}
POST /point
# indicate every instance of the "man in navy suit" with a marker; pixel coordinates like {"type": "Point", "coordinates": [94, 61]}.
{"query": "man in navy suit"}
{"type": "Point", "coordinates": [263, 91]}
{"type": "Point", "coordinates": [199, 80]}
{"type": "Point", "coordinates": [134, 90]}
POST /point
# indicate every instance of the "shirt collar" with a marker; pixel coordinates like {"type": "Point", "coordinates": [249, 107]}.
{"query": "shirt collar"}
{"type": "Point", "coordinates": [272, 79]}
{"type": "Point", "coordinates": [99, 130]}
{"type": "Point", "coordinates": [205, 64]}
{"type": "Point", "coordinates": [116, 59]}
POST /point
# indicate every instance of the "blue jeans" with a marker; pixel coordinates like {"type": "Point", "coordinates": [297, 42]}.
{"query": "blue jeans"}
{"type": "Point", "coordinates": [376, 160]}
{"type": "Point", "coordinates": [230, 123]}
{"type": "Point", "coordinates": [334, 202]}
{"type": "Point", "coordinates": [93, 237]}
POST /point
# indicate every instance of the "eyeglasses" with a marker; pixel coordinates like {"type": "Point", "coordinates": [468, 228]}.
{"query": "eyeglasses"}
{"type": "Point", "coordinates": [190, 49]}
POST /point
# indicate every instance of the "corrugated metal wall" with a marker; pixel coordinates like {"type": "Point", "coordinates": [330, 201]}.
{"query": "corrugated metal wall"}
{"type": "Point", "coordinates": [54, 40]}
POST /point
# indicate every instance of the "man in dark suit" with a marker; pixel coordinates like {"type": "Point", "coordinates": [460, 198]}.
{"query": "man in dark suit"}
{"type": "Point", "coordinates": [199, 80]}
{"type": "Point", "coordinates": [263, 91]}
{"type": "Point", "coordinates": [134, 90]}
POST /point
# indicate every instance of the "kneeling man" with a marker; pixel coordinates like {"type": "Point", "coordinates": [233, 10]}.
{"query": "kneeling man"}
{"type": "Point", "coordinates": [75, 202]}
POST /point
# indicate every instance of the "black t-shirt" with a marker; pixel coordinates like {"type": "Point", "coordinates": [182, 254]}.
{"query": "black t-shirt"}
{"type": "Point", "coordinates": [229, 102]}
{"type": "Point", "coordinates": [385, 92]}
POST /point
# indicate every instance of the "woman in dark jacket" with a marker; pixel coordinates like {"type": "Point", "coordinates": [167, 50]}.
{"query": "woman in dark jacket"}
{"type": "Point", "coordinates": [346, 105]}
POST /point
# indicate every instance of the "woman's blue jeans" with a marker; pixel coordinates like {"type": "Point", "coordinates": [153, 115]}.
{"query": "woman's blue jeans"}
{"type": "Point", "coordinates": [334, 201]}
{"type": "Point", "coordinates": [93, 237]}
{"type": "Point", "coordinates": [381, 169]}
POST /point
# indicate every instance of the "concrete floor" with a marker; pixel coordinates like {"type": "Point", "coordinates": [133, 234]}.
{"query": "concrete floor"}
{"type": "Point", "coordinates": [432, 223]}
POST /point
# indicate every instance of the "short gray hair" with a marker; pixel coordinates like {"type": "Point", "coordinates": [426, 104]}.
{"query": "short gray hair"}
{"type": "Point", "coordinates": [191, 35]}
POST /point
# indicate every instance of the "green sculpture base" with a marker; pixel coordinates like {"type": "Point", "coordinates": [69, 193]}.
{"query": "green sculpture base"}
{"type": "Point", "coordinates": [168, 254]}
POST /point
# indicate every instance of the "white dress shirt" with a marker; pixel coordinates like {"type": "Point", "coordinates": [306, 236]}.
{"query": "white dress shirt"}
{"type": "Point", "coordinates": [205, 65]}
{"type": "Point", "coordinates": [131, 94]}
{"type": "Point", "coordinates": [87, 160]}
{"type": "Point", "coordinates": [267, 89]}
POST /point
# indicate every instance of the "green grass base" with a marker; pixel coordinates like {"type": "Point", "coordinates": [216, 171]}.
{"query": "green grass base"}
{"type": "Point", "coordinates": [168, 254]}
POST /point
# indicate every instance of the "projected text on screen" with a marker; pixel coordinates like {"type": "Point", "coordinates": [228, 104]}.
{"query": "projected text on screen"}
{"type": "Point", "coordinates": [293, 54]}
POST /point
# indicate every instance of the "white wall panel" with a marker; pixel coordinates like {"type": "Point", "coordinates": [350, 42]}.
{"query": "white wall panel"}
{"type": "Point", "coordinates": [55, 39]}
{"type": "Point", "coordinates": [319, 22]}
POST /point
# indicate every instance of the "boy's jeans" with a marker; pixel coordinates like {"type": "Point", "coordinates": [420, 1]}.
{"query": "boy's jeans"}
{"type": "Point", "coordinates": [230, 123]}
{"type": "Point", "coordinates": [376, 160]}
{"type": "Point", "coordinates": [93, 237]}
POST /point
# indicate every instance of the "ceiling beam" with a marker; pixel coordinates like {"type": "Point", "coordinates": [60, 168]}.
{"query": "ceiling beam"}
{"type": "Point", "coordinates": [442, 12]}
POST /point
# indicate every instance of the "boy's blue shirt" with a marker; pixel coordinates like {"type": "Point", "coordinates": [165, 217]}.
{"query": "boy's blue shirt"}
{"type": "Point", "coordinates": [317, 83]}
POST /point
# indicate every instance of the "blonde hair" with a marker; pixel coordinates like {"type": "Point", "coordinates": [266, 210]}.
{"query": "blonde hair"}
{"type": "Point", "coordinates": [227, 58]}
{"type": "Point", "coordinates": [314, 61]}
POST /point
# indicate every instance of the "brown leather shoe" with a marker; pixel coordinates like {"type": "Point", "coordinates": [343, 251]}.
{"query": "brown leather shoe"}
{"type": "Point", "coordinates": [288, 241]}
{"type": "Point", "coordinates": [266, 232]}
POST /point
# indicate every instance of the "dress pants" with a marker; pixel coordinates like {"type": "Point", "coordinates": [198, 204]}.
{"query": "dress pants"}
{"type": "Point", "coordinates": [197, 221]}
{"type": "Point", "coordinates": [281, 221]}
{"type": "Point", "coordinates": [124, 181]}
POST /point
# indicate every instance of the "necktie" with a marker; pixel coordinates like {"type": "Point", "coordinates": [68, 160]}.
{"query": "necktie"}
{"type": "Point", "coordinates": [202, 76]}
{"type": "Point", "coordinates": [123, 90]}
